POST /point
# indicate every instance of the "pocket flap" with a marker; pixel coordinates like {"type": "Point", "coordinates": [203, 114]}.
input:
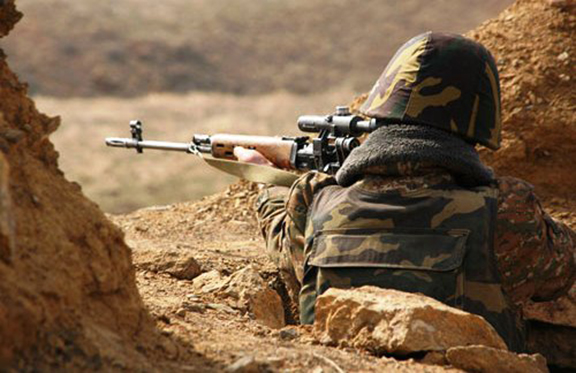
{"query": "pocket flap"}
{"type": "Point", "coordinates": [394, 248]}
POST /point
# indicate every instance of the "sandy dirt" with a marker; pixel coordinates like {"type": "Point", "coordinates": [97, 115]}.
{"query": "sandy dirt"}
{"type": "Point", "coordinates": [222, 233]}
{"type": "Point", "coordinates": [78, 296]}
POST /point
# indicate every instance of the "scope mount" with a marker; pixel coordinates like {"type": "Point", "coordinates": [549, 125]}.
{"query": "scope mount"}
{"type": "Point", "coordinates": [136, 131]}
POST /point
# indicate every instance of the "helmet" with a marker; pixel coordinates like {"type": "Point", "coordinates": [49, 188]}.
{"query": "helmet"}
{"type": "Point", "coordinates": [441, 80]}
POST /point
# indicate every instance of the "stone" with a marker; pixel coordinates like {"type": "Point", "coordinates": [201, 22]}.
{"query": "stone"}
{"type": "Point", "coordinates": [209, 282]}
{"type": "Point", "coordinates": [246, 364]}
{"type": "Point", "coordinates": [561, 311]}
{"type": "Point", "coordinates": [247, 291]}
{"type": "Point", "coordinates": [181, 312]}
{"type": "Point", "coordinates": [194, 307]}
{"type": "Point", "coordinates": [222, 307]}
{"type": "Point", "coordinates": [434, 358]}
{"type": "Point", "coordinates": [562, 4]}
{"type": "Point", "coordinates": [6, 220]}
{"type": "Point", "coordinates": [385, 321]}
{"type": "Point", "coordinates": [177, 263]}
{"type": "Point", "coordinates": [289, 333]}
{"type": "Point", "coordinates": [256, 296]}
{"type": "Point", "coordinates": [490, 360]}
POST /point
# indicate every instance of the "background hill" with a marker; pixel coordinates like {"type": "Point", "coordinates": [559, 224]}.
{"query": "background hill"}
{"type": "Point", "coordinates": [132, 47]}
{"type": "Point", "coordinates": [203, 56]}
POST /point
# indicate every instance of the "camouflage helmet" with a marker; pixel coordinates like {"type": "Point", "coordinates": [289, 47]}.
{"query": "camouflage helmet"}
{"type": "Point", "coordinates": [441, 80]}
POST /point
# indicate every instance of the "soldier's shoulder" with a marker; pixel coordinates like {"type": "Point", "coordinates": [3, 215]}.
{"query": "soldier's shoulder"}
{"type": "Point", "coordinates": [311, 182]}
{"type": "Point", "coordinates": [304, 189]}
{"type": "Point", "coordinates": [515, 192]}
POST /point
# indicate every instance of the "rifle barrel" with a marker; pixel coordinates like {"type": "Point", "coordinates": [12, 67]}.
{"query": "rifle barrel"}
{"type": "Point", "coordinates": [118, 142]}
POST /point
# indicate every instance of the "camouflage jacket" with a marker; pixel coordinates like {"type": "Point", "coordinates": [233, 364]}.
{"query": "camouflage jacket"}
{"type": "Point", "coordinates": [533, 254]}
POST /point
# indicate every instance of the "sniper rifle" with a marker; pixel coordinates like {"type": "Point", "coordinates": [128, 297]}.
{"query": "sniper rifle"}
{"type": "Point", "coordinates": [337, 135]}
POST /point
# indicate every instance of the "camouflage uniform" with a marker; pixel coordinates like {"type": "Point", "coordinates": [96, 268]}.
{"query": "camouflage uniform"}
{"type": "Point", "coordinates": [423, 216]}
{"type": "Point", "coordinates": [534, 254]}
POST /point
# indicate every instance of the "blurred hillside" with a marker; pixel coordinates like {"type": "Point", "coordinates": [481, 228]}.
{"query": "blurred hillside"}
{"type": "Point", "coordinates": [132, 47]}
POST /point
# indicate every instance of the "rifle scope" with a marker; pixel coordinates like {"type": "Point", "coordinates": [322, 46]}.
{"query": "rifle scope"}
{"type": "Point", "coordinates": [338, 125]}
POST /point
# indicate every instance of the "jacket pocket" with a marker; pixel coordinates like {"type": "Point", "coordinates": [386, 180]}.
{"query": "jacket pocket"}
{"type": "Point", "coordinates": [427, 261]}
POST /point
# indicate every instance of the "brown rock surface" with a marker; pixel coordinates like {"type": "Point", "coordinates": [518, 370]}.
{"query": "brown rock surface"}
{"type": "Point", "coordinates": [533, 44]}
{"type": "Point", "coordinates": [490, 360]}
{"type": "Point", "coordinates": [246, 290]}
{"type": "Point", "coordinates": [561, 311]}
{"type": "Point", "coordinates": [67, 286]}
{"type": "Point", "coordinates": [8, 16]}
{"type": "Point", "coordinates": [393, 322]}
{"type": "Point", "coordinates": [209, 282]}
{"type": "Point", "coordinates": [177, 263]}
{"type": "Point", "coordinates": [6, 219]}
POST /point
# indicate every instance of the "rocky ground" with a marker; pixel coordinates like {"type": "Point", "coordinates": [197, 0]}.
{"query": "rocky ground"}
{"type": "Point", "coordinates": [221, 234]}
{"type": "Point", "coordinates": [188, 287]}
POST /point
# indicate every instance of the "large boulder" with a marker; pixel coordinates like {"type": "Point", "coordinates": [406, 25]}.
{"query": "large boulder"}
{"type": "Point", "coordinates": [386, 321]}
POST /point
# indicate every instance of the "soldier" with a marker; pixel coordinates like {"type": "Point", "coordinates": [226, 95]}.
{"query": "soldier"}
{"type": "Point", "coordinates": [414, 209]}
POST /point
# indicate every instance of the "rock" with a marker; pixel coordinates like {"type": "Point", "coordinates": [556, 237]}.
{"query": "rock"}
{"type": "Point", "coordinates": [247, 364]}
{"type": "Point", "coordinates": [395, 322]}
{"type": "Point", "coordinates": [289, 334]}
{"type": "Point", "coordinates": [181, 312]}
{"type": "Point", "coordinates": [209, 282]}
{"type": "Point", "coordinates": [8, 16]}
{"type": "Point", "coordinates": [257, 297]}
{"type": "Point", "coordinates": [562, 4]}
{"type": "Point", "coordinates": [248, 291]}
{"type": "Point", "coordinates": [561, 311]}
{"type": "Point", "coordinates": [434, 358]}
{"type": "Point", "coordinates": [194, 307]}
{"type": "Point", "coordinates": [222, 307]}
{"type": "Point", "coordinates": [563, 56]}
{"type": "Point", "coordinates": [177, 263]}
{"type": "Point", "coordinates": [490, 360]}
{"type": "Point", "coordinates": [6, 220]}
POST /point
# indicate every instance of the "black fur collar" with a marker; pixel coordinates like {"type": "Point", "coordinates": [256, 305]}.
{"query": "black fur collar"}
{"type": "Point", "coordinates": [399, 149]}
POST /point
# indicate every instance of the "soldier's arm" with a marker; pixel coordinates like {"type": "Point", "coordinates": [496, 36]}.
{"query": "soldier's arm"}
{"type": "Point", "coordinates": [282, 215]}
{"type": "Point", "coordinates": [535, 253]}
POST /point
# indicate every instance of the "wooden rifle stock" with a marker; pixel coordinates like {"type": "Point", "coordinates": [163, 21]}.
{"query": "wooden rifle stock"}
{"type": "Point", "coordinates": [277, 150]}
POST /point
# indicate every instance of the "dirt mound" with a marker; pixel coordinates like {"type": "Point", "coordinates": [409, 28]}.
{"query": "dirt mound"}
{"type": "Point", "coordinates": [533, 43]}
{"type": "Point", "coordinates": [67, 284]}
